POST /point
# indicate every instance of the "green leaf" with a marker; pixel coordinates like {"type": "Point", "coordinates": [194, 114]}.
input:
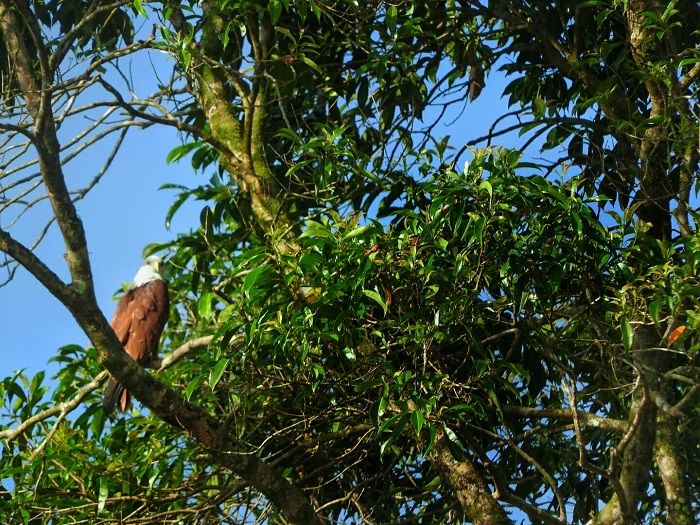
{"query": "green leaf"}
{"type": "Point", "coordinates": [394, 424]}
{"type": "Point", "coordinates": [479, 225]}
{"type": "Point", "coordinates": [432, 431]}
{"type": "Point", "coordinates": [452, 438]}
{"type": "Point", "coordinates": [539, 107]}
{"type": "Point", "coordinates": [193, 385]}
{"type": "Point", "coordinates": [256, 276]}
{"type": "Point", "coordinates": [217, 372]}
{"type": "Point", "coordinates": [289, 134]}
{"type": "Point", "coordinates": [378, 410]}
{"type": "Point", "coordinates": [316, 229]}
{"type": "Point", "coordinates": [461, 407]}
{"type": "Point", "coordinates": [627, 334]}
{"type": "Point", "coordinates": [386, 444]}
{"type": "Point", "coordinates": [319, 373]}
{"type": "Point", "coordinates": [600, 17]}
{"type": "Point", "coordinates": [14, 389]}
{"type": "Point", "coordinates": [179, 201]}
{"type": "Point", "coordinates": [579, 223]}
{"type": "Point", "coordinates": [225, 36]}
{"type": "Point", "coordinates": [383, 404]}
{"type": "Point", "coordinates": [287, 33]}
{"type": "Point", "coordinates": [104, 492]}
{"type": "Point", "coordinates": [494, 398]}
{"type": "Point", "coordinates": [317, 10]}
{"type": "Point", "coordinates": [138, 5]}
{"type": "Point", "coordinates": [204, 306]}
{"type": "Point", "coordinates": [417, 420]}
{"type": "Point", "coordinates": [486, 185]}
{"type": "Point", "coordinates": [669, 11]}
{"type": "Point", "coordinates": [688, 61]}
{"type": "Point", "coordinates": [654, 310]}
{"type": "Point", "coordinates": [275, 7]}
{"type": "Point", "coordinates": [391, 17]}
{"type": "Point", "coordinates": [356, 232]}
{"type": "Point", "coordinates": [376, 297]}
{"type": "Point", "coordinates": [313, 65]}
{"type": "Point", "coordinates": [179, 152]}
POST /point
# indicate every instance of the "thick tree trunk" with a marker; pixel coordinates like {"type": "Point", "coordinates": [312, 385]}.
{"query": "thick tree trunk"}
{"type": "Point", "coordinates": [477, 503]}
{"type": "Point", "coordinates": [655, 189]}
{"type": "Point", "coordinates": [634, 452]}
{"type": "Point", "coordinates": [245, 155]}
{"type": "Point", "coordinates": [667, 456]}
{"type": "Point", "coordinates": [636, 464]}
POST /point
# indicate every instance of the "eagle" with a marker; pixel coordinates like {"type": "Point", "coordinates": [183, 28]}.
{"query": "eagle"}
{"type": "Point", "coordinates": [138, 324]}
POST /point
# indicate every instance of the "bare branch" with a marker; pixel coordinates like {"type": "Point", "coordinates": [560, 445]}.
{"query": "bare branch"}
{"type": "Point", "coordinates": [584, 418]}
{"type": "Point", "coordinates": [561, 503]}
{"type": "Point", "coordinates": [687, 401]}
{"type": "Point", "coordinates": [34, 265]}
{"type": "Point", "coordinates": [193, 345]}
{"type": "Point", "coordinates": [533, 512]}
{"type": "Point", "coordinates": [62, 409]}
{"type": "Point", "coordinates": [69, 38]}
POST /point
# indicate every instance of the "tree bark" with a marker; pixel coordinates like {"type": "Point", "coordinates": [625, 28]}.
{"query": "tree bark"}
{"type": "Point", "coordinates": [667, 456]}
{"type": "Point", "coordinates": [655, 187]}
{"type": "Point", "coordinates": [463, 477]}
{"type": "Point", "coordinates": [634, 452]}
{"type": "Point", "coordinates": [245, 159]}
{"type": "Point", "coordinates": [636, 464]}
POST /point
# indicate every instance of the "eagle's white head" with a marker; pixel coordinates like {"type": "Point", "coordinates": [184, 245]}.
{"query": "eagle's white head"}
{"type": "Point", "coordinates": [150, 271]}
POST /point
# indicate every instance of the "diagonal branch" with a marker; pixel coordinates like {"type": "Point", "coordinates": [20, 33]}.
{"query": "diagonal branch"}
{"type": "Point", "coordinates": [62, 409]}
{"type": "Point", "coordinates": [25, 257]}
{"type": "Point", "coordinates": [468, 484]}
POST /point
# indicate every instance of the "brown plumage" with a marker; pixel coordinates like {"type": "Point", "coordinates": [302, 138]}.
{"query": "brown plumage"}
{"type": "Point", "coordinates": [138, 323]}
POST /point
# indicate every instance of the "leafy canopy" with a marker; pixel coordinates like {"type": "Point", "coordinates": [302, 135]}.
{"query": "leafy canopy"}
{"type": "Point", "coordinates": [396, 338]}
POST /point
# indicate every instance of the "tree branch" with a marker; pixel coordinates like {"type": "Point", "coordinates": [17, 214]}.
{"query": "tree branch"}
{"type": "Point", "coordinates": [669, 461]}
{"type": "Point", "coordinates": [62, 408]}
{"type": "Point", "coordinates": [588, 419]}
{"type": "Point", "coordinates": [467, 483]}
{"type": "Point", "coordinates": [66, 407]}
{"type": "Point", "coordinates": [33, 265]}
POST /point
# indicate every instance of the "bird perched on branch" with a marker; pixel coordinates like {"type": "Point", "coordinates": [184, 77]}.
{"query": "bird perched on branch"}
{"type": "Point", "coordinates": [138, 323]}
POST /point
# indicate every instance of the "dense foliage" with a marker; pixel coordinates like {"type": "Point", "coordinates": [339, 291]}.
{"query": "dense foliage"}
{"type": "Point", "coordinates": [362, 330]}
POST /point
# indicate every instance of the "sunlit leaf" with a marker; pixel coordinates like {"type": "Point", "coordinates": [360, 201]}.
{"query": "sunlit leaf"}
{"type": "Point", "coordinates": [218, 371]}
{"type": "Point", "coordinates": [627, 334]}
{"type": "Point", "coordinates": [377, 298]}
